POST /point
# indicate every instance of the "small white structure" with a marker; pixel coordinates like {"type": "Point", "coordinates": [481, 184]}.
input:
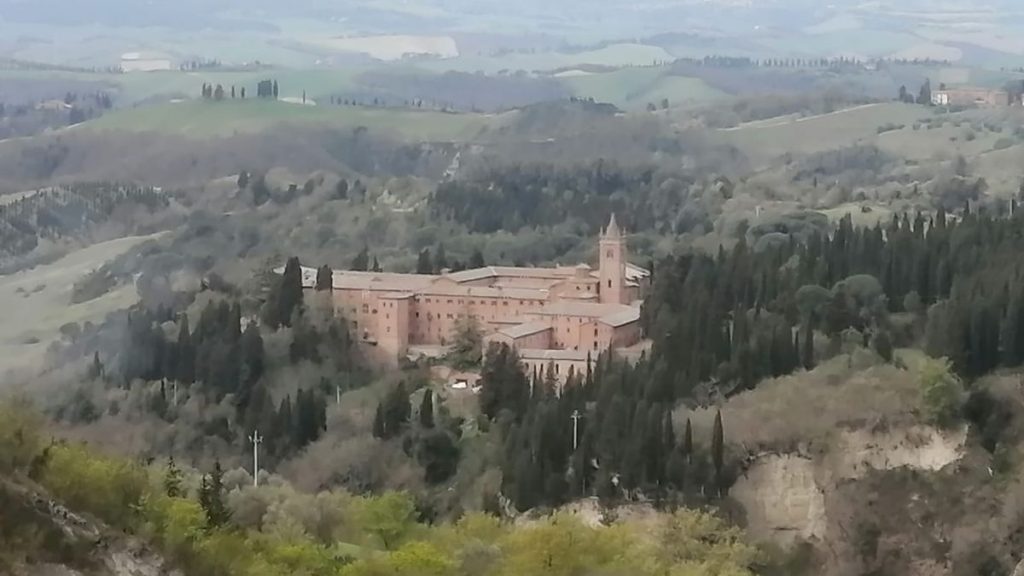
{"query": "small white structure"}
{"type": "Point", "coordinates": [144, 62]}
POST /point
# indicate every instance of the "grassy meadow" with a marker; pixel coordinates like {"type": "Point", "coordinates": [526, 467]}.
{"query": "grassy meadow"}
{"type": "Point", "coordinates": [634, 88]}
{"type": "Point", "coordinates": [765, 140]}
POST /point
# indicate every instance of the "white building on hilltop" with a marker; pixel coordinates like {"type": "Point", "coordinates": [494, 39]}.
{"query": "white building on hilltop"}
{"type": "Point", "coordinates": [144, 62]}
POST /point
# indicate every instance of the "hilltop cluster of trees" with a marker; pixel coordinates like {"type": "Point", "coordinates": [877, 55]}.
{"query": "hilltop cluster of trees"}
{"type": "Point", "coordinates": [267, 89]}
{"type": "Point", "coordinates": [68, 211]}
{"type": "Point", "coordinates": [224, 361]}
{"type": "Point", "coordinates": [543, 195]}
{"type": "Point", "coordinates": [23, 118]}
{"type": "Point", "coordinates": [218, 93]}
{"type": "Point", "coordinates": [626, 445]}
{"type": "Point", "coordinates": [718, 61]}
{"type": "Point", "coordinates": [264, 89]}
{"type": "Point", "coordinates": [218, 361]}
{"type": "Point", "coordinates": [437, 261]}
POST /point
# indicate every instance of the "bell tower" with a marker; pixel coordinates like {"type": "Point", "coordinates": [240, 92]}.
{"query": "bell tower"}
{"type": "Point", "coordinates": [612, 260]}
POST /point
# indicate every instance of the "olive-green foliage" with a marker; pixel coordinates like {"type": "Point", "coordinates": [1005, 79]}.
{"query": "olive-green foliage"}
{"type": "Point", "coordinates": [19, 435]}
{"type": "Point", "coordinates": [941, 391]}
{"type": "Point", "coordinates": [277, 531]}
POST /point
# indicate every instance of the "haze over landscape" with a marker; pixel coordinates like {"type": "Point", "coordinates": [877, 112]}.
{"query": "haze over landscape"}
{"type": "Point", "coordinates": [453, 288]}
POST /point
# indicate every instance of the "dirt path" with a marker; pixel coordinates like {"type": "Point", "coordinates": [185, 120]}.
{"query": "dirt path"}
{"type": "Point", "coordinates": [789, 120]}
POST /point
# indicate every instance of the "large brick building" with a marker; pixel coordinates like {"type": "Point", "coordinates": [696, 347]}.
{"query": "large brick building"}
{"type": "Point", "coordinates": [558, 317]}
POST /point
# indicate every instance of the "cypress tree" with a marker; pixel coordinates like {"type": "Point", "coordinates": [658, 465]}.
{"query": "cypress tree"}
{"type": "Point", "coordinates": [217, 513]}
{"type": "Point", "coordinates": [324, 278]}
{"type": "Point", "coordinates": [441, 259]}
{"type": "Point", "coordinates": [427, 409]}
{"type": "Point", "coordinates": [688, 442]}
{"type": "Point", "coordinates": [476, 260]}
{"type": "Point", "coordinates": [378, 423]}
{"type": "Point", "coordinates": [173, 479]}
{"type": "Point", "coordinates": [290, 293]}
{"type": "Point", "coordinates": [718, 450]}
{"type": "Point", "coordinates": [424, 263]}
{"type": "Point", "coordinates": [361, 263]}
{"type": "Point", "coordinates": [883, 346]}
{"type": "Point", "coordinates": [186, 354]}
{"type": "Point", "coordinates": [807, 350]}
{"type": "Point", "coordinates": [252, 357]}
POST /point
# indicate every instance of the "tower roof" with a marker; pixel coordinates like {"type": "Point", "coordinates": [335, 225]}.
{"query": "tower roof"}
{"type": "Point", "coordinates": [612, 231]}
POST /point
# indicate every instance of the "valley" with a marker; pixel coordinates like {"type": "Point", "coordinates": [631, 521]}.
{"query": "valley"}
{"type": "Point", "coordinates": [714, 289]}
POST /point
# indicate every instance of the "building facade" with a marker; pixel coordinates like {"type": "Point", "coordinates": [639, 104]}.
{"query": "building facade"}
{"type": "Point", "coordinates": [562, 316]}
{"type": "Point", "coordinates": [144, 62]}
{"type": "Point", "coordinates": [968, 96]}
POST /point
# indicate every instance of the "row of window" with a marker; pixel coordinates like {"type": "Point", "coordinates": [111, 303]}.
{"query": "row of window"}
{"type": "Point", "coordinates": [484, 302]}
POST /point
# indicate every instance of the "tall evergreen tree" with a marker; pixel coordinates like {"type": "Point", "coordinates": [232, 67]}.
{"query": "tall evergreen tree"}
{"type": "Point", "coordinates": [379, 430]}
{"type": "Point", "coordinates": [424, 263]}
{"type": "Point", "coordinates": [173, 480]}
{"type": "Point", "coordinates": [361, 263]}
{"type": "Point", "coordinates": [718, 450]}
{"type": "Point", "coordinates": [441, 259]}
{"type": "Point", "coordinates": [290, 294]}
{"type": "Point", "coordinates": [427, 409]}
{"type": "Point", "coordinates": [211, 498]}
{"type": "Point", "coordinates": [476, 260]}
{"type": "Point", "coordinates": [324, 278]}
{"type": "Point", "coordinates": [688, 442]}
{"type": "Point", "coordinates": [807, 347]}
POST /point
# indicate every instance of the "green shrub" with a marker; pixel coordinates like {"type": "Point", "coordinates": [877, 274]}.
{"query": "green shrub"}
{"type": "Point", "coordinates": [941, 391]}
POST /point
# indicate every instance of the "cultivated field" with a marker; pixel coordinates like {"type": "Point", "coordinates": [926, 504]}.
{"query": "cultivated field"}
{"type": "Point", "coordinates": [766, 140]}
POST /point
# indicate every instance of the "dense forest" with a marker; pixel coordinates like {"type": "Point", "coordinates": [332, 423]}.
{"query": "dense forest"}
{"type": "Point", "coordinates": [532, 195]}
{"type": "Point", "coordinates": [223, 364]}
{"type": "Point", "coordinates": [71, 212]}
{"type": "Point", "coordinates": [721, 324]}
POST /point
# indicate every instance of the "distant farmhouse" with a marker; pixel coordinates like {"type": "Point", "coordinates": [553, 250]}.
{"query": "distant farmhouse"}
{"type": "Point", "coordinates": [53, 105]}
{"type": "Point", "coordinates": [144, 62]}
{"type": "Point", "coordinates": [981, 97]}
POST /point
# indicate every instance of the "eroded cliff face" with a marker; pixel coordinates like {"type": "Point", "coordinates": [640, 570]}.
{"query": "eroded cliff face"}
{"type": "Point", "coordinates": [783, 500]}
{"type": "Point", "coordinates": [75, 545]}
{"type": "Point", "coordinates": [790, 498]}
{"type": "Point", "coordinates": [857, 452]}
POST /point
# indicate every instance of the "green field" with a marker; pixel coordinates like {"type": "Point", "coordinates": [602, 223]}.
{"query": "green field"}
{"type": "Point", "coordinates": [634, 88]}
{"type": "Point", "coordinates": [137, 87]}
{"type": "Point", "coordinates": [769, 139]}
{"type": "Point", "coordinates": [197, 118]}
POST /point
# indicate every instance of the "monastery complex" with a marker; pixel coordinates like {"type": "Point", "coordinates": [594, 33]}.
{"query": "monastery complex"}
{"type": "Point", "coordinates": [561, 317]}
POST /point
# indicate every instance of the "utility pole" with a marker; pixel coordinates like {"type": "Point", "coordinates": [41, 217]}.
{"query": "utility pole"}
{"type": "Point", "coordinates": [337, 394]}
{"type": "Point", "coordinates": [174, 384]}
{"type": "Point", "coordinates": [575, 428]}
{"type": "Point", "coordinates": [256, 440]}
